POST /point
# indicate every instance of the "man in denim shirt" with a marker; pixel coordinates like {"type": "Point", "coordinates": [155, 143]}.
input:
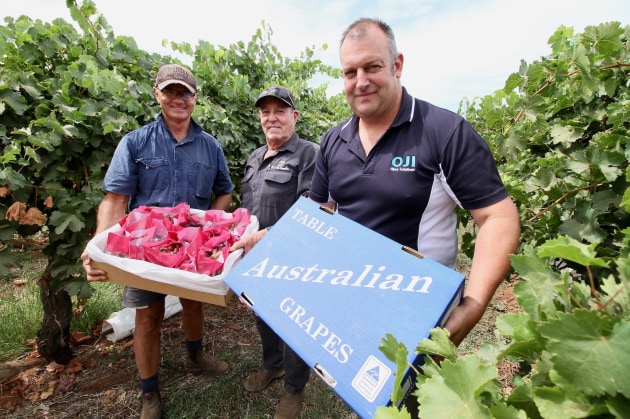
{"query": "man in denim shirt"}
{"type": "Point", "coordinates": [164, 163]}
{"type": "Point", "coordinates": [276, 175]}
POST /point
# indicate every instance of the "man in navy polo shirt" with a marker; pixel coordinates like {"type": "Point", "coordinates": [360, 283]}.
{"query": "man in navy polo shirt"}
{"type": "Point", "coordinates": [400, 166]}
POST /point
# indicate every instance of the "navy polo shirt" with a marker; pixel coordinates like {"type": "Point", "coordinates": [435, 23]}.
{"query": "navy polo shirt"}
{"type": "Point", "coordinates": [426, 163]}
{"type": "Point", "coordinates": [154, 169]}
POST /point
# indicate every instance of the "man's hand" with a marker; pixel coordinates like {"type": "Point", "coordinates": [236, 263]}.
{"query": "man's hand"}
{"type": "Point", "coordinates": [249, 241]}
{"type": "Point", "coordinates": [463, 319]}
{"type": "Point", "coordinates": [111, 210]}
{"type": "Point", "coordinates": [92, 273]}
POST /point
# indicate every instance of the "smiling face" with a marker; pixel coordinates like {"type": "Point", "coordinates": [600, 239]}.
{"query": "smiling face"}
{"type": "Point", "coordinates": [371, 75]}
{"type": "Point", "coordinates": [277, 120]}
{"type": "Point", "coordinates": [175, 108]}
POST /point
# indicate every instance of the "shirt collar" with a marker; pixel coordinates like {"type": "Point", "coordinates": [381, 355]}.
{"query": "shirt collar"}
{"type": "Point", "coordinates": [405, 115]}
{"type": "Point", "coordinates": [193, 130]}
{"type": "Point", "coordinates": [290, 145]}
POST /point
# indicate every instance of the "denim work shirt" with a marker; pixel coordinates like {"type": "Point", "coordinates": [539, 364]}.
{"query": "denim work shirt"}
{"type": "Point", "coordinates": [154, 169]}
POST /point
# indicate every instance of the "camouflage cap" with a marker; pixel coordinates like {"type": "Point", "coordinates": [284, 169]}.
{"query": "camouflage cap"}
{"type": "Point", "coordinates": [175, 74]}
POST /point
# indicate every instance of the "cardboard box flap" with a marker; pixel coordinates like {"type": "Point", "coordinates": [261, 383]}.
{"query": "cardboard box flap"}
{"type": "Point", "coordinates": [332, 289]}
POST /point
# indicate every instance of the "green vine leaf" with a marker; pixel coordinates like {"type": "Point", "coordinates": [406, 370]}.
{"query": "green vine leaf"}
{"type": "Point", "coordinates": [14, 101]}
{"type": "Point", "coordinates": [391, 412]}
{"type": "Point", "coordinates": [517, 326]}
{"type": "Point", "coordinates": [396, 352]}
{"type": "Point", "coordinates": [459, 391]}
{"type": "Point", "coordinates": [571, 249]}
{"type": "Point", "coordinates": [503, 411]}
{"type": "Point", "coordinates": [439, 344]}
{"type": "Point", "coordinates": [617, 292]}
{"type": "Point", "coordinates": [63, 221]}
{"type": "Point", "coordinates": [534, 294]}
{"type": "Point", "coordinates": [565, 134]}
{"type": "Point", "coordinates": [591, 351]}
{"type": "Point", "coordinates": [605, 37]}
{"type": "Point", "coordinates": [553, 402]}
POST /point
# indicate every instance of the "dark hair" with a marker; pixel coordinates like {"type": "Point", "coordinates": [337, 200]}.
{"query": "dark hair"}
{"type": "Point", "coordinates": [359, 27]}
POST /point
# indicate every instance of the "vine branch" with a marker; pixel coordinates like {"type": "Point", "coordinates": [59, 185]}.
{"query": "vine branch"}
{"type": "Point", "coordinates": [563, 197]}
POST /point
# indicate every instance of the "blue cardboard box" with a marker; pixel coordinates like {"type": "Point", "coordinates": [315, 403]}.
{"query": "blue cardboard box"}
{"type": "Point", "coordinates": [332, 289]}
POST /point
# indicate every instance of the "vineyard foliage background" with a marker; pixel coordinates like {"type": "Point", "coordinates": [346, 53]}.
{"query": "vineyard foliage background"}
{"type": "Point", "coordinates": [559, 131]}
{"type": "Point", "coordinates": [67, 96]}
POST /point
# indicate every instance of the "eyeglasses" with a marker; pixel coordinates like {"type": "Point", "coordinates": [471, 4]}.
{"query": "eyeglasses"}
{"type": "Point", "coordinates": [173, 94]}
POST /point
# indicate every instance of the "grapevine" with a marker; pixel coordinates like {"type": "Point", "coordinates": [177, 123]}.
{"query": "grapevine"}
{"type": "Point", "coordinates": [69, 92]}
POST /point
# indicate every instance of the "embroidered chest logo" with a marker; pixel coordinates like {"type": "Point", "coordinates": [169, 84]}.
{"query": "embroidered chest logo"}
{"type": "Point", "coordinates": [279, 165]}
{"type": "Point", "coordinates": [403, 164]}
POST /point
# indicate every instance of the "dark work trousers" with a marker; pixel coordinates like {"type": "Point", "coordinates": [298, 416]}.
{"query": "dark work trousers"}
{"type": "Point", "coordinates": [277, 355]}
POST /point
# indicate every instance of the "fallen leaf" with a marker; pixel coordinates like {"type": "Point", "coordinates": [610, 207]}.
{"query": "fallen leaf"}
{"type": "Point", "coordinates": [109, 397]}
{"type": "Point", "coordinates": [232, 325]}
{"type": "Point", "coordinates": [74, 365]}
{"type": "Point", "coordinates": [55, 368]}
{"type": "Point", "coordinates": [77, 338]}
{"type": "Point", "coordinates": [48, 202]}
{"type": "Point", "coordinates": [122, 396]}
{"type": "Point", "coordinates": [20, 281]}
{"type": "Point", "coordinates": [9, 403]}
{"type": "Point", "coordinates": [31, 376]}
{"type": "Point", "coordinates": [32, 397]}
{"type": "Point", "coordinates": [4, 191]}
{"type": "Point", "coordinates": [51, 390]}
{"type": "Point", "coordinates": [81, 305]}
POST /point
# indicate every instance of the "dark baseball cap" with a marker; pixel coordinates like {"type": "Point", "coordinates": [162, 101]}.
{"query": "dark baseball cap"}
{"type": "Point", "coordinates": [278, 92]}
{"type": "Point", "coordinates": [175, 74]}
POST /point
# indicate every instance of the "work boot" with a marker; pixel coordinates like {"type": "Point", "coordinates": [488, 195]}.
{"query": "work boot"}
{"type": "Point", "coordinates": [151, 406]}
{"type": "Point", "coordinates": [260, 380]}
{"type": "Point", "coordinates": [202, 362]}
{"type": "Point", "coordinates": [290, 405]}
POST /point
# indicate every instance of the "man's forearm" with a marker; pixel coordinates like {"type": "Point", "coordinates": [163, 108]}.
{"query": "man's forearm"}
{"type": "Point", "coordinates": [112, 209]}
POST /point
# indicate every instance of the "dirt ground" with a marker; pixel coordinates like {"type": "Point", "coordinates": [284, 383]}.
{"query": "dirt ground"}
{"type": "Point", "coordinates": [101, 381]}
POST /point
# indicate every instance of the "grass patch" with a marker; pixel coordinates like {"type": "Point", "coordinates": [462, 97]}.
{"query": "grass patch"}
{"type": "Point", "coordinates": [105, 300]}
{"type": "Point", "coordinates": [21, 311]}
{"type": "Point", "coordinates": [20, 318]}
{"type": "Point", "coordinates": [20, 306]}
{"type": "Point", "coordinates": [226, 396]}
